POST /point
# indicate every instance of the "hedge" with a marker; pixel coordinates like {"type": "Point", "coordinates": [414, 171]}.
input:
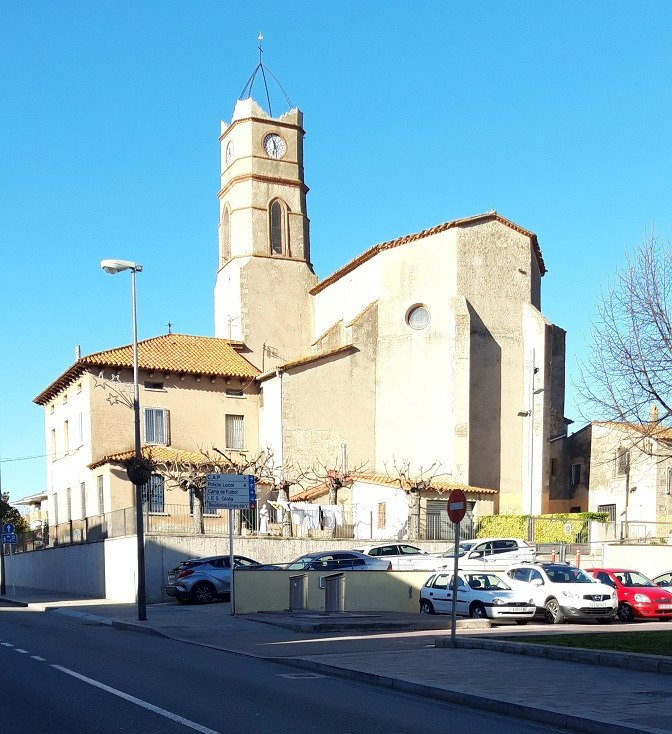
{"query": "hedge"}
{"type": "Point", "coordinates": [556, 528]}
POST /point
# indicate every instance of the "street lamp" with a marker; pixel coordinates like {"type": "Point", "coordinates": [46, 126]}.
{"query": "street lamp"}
{"type": "Point", "coordinates": [113, 267]}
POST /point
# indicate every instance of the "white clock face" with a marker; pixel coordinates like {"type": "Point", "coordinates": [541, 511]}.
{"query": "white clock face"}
{"type": "Point", "coordinates": [274, 146]}
{"type": "Point", "coordinates": [230, 152]}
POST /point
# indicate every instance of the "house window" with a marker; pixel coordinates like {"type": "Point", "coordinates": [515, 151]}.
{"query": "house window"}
{"type": "Point", "coordinates": [610, 510]}
{"type": "Point", "coordinates": [235, 432]}
{"type": "Point", "coordinates": [66, 436]}
{"type": "Point", "coordinates": [101, 495]}
{"type": "Point", "coordinates": [622, 462]}
{"type": "Point", "coordinates": [68, 505]}
{"type": "Point", "coordinates": [80, 429]}
{"type": "Point", "coordinates": [65, 398]}
{"type": "Point", "coordinates": [55, 509]}
{"type": "Point", "coordinates": [554, 467]}
{"type": "Point", "coordinates": [225, 237]}
{"type": "Point", "coordinates": [231, 393]}
{"type": "Point", "coordinates": [153, 385]}
{"type": "Point", "coordinates": [52, 407]}
{"type": "Point", "coordinates": [156, 426]}
{"type": "Point", "coordinates": [576, 474]}
{"type": "Point", "coordinates": [153, 494]}
{"type": "Point", "coordinates": [53, 444]}
{"type": "Point", "coordinates": [277, 227]}
{"type": "Point", "coordinates": [381, 515]}
{"type": "Point", "coordinates": [79, 387]}
{"type": "Point", "coordinates": [82, 494]}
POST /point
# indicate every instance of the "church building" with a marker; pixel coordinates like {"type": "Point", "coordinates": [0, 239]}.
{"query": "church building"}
{"type": "Point", "coordinates": [429, 349]}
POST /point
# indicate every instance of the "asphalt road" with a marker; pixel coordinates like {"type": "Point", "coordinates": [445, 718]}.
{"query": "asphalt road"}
{"type": "Point", "coordinates": [65, 676]}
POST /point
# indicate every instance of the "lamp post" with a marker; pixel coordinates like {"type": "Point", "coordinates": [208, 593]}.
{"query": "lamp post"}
{"type": "Point", "coordinates": [113, 267]}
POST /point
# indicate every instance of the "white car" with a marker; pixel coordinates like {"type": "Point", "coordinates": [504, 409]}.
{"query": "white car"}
{"type": "Point", "coordinates": [479, 595]}
{"type": "Point", "coordinates": [400, 555]}
{"type": "Point", "coordinates": [481, 554]}
{"type": "Point", "coordinates": [561, 592]}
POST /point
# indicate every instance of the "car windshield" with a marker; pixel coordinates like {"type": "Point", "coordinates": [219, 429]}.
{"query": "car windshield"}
{"type": "Point", "coordinates": [486, 582]}
{"type": "Point", "coordinates": [462, 548]}
{"type": "Point", "coordinates": [633, 580]}
{"type": "Point", "coordinates": [301, 562]}
{"type": "Point", "coordinates": [567, 575]}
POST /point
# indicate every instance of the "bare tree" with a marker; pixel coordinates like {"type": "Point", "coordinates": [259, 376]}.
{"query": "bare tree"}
{"type": "Point", "coordinates": [628, 376]}
{"type": "Point", "coordinates": [189, 472]}
{"type": "Point", "coordinates": [413, 483]}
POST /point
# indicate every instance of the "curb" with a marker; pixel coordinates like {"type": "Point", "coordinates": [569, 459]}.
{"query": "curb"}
{"type": "Point", "coordinates": [470, 700]}
{"type": "Point", "coordinates": [608, 658]}
{"type": "Point", "coordinates": [13, 602]}
{"type": "Point", "coordinates": [106, 621]}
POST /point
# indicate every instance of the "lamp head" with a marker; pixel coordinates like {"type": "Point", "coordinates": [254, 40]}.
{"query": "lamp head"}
{"type": "Point", "coordinates": [116, 266]}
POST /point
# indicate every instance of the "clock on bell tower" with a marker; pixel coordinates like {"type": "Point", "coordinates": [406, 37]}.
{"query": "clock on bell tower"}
{"type": "Point", "coordinates": [264, 273]}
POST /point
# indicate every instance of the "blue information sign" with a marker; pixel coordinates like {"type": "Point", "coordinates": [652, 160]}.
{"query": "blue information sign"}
{"type": "Point", "coordinates": [8, 527]}
{"type": "Point", "coordinates": [9, 538]}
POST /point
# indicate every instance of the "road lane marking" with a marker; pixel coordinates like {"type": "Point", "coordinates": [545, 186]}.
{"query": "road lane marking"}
{"type": "Point", "coordinates": [37, 657]}
{"type": "Point", "coordinates": [300, 676]}
{"type": "Point", "coordinates": [138, 701]}
{"type": "Point", "coordinates": [6, 644]}
{"type": "Point", "coordinates": [22, 651]}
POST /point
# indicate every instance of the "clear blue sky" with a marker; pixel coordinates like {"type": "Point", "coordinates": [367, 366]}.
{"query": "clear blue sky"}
{"type": "Point", "coordinates": [555, 114]}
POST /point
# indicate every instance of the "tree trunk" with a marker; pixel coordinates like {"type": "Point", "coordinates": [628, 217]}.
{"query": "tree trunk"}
{"type": "Point", "coordinates": [333, 492]}
{"type": "Point", "coordinates": [283, 496]}
{"type": "Point", "coordinates": [198, 513]}
{"type": "Point", "coordinates": [413, 514]}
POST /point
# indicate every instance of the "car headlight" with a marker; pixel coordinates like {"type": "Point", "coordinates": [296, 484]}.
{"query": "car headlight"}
{"type": "Point", "coordinates": [642, 598]}
{"type": "Point", "coordinates": [497, 601]}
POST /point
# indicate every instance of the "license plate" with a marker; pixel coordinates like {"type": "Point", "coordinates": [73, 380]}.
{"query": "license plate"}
{"type": "Point", "coordinates": [665, 606]}
{"type": "Point", "coordinates": [520, 609]}
{"type": "Point", "coordinates": [599, 604]}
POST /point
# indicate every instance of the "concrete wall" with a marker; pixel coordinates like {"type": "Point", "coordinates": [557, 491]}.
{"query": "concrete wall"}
{"type": "Point", "coordinates": [390, 591]}
{"type": "Point", "coordinates": [104, 570]}
{"type": "Point", "coordinates": [650, 560]}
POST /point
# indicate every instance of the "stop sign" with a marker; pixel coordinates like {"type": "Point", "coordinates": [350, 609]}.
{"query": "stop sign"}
{"type": "Point", "coordinates": [457, 505]}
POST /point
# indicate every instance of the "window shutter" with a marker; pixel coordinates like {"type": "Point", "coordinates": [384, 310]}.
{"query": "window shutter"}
{"type": "Point", "coordinates": [235, 432]}
{"type": "Point", "coordinates": [166, 427]}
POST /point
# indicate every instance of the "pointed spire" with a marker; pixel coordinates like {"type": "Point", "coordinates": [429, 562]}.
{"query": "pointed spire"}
{"type": "Point", "coordinates": [261, 67]}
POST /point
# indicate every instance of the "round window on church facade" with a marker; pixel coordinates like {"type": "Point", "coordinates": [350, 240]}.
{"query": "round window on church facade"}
{"type": "Point", "coordinates": [417, 317]}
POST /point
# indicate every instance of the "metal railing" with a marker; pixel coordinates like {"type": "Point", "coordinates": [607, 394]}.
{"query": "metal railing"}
{"type": "Point", "coordinates": [638, 531]}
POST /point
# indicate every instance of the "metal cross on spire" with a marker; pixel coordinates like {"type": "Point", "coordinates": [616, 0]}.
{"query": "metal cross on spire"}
{"type": "Point", "coordinates": [261, 67]}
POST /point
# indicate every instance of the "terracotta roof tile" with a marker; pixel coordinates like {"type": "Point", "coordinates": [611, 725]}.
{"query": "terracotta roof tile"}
{"type": "Point", "coordinates": [382, 479]}
{"type": "Point", "coordinates": [183, 353]}
{"type": "Point", "coordinates": [157, 453]}
{"type": "Point", "coordinates": [372, 251]}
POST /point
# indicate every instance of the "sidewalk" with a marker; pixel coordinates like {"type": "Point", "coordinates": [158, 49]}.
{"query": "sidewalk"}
{"type": "Point", "coordinates": [584, 698]}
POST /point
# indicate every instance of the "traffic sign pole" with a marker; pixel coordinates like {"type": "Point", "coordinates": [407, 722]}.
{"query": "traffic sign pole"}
{"type": "Point", "coordinates": [453, 613]}
{"type": "Point", "coordinates": [232, 592]}
{"type": "Point", "coordinates": [457, 507]}
{"type": "Point", "coordinates": [3, 587]}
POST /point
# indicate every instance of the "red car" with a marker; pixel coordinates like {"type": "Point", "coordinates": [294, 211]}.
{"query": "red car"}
{"type": "Point", "coordinates": [638, 596]}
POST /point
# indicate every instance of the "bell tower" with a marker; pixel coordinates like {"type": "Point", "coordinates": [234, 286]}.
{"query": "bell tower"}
{"type": "Point", "coordinates": [264, 272]}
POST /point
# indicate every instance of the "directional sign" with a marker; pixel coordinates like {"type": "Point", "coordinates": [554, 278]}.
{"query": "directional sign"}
{"type": "Point", "coordinates": [9, 538]}
{"type": "Point", "coordinates": [8, 528]}
{"type": "Point", "coordinates": [229, 491]}
{"type": "Point", "coordinates": [457, 505]}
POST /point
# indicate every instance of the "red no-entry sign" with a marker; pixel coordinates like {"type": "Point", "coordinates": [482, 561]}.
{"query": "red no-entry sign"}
{"type": "Point", "coordinates": [457, 505]}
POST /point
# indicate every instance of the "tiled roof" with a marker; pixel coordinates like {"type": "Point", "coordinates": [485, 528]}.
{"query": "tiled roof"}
{"type": "Point", "coordinates": [307, 360]}
{"type": "Point", "coordinates": [182, 353]}
{"type": "Point", "coordinates": [649, 430]}
{"type": "Point", "coordinates": [372, 251]}
{"type": "Point", "coordinates": [382, 479]}
{"type": "Point", "coordinates": [156, 453]}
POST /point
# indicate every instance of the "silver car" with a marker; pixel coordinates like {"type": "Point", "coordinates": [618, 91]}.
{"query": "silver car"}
{"type": "Point", "coordinates": [339, 561]}
{"type": "Point", "coordinates": [202, 580]}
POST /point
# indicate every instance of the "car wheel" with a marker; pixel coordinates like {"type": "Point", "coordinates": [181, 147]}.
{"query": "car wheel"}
{"type": "Point", "coordinates": [522, 621]}
{"type": "Point", "coordinates": [552, 611]}
{"type": "Point", "coordinates": [426, 607]}
{"type": "Point", "coordinates": [477, 611]}
{"type": "Point", "coordinates": [625, 613]}
{"type": "Point", "coordinates": [203, 593]}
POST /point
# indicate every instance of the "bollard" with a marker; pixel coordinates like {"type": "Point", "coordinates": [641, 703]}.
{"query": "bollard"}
{"type": "Point", "coordinates": [553, 558]}
{"type": "Point", "coordinates": [578, 557]}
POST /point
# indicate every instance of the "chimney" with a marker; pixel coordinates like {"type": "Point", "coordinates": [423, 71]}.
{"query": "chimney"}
{"type": "Point", "coordinates": [78, 352]}
{"type": "Point", "coordinates": [653, 414]}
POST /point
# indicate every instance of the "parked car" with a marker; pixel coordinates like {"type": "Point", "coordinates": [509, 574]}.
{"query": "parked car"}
{"type": "Point", "coordinates": [665, 579]}
{"type": "Point", "coordinates": [339, 561]}
{"type": "Point", "coordinates": [479, 595]}
{"type": "Point", "coordinates": [400, 555]}
{"type": "Point", "coordinates": [561, 592]}
{"type": "Point", "coordinates": [478, 554]}
{"type": "Point", "coordinates": [638, 596]}
{"type": "Point", "coordinates": [202, 580]}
